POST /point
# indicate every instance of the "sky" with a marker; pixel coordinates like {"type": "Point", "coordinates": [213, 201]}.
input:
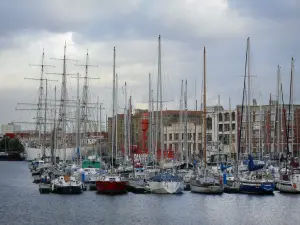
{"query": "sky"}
{"type": "Point", "coordinates": [133, 26]}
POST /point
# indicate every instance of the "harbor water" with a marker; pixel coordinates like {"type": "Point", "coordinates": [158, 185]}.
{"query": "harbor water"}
{"type": "Point", "coordinates": [21, 203]}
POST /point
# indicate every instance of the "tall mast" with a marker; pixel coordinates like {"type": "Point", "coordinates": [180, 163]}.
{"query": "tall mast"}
{"type": "Point", "coordinates": [185, 127]}
{"type": "Point", "coordinates": [180, 119]}
{"type": "Point", "coordinates": [150, 119]}
{"type": "Point", "coordinates": [113, 109]}
{"type": "Point", "coordinates": [100, 141]}
{"type": "Point", "coordinates": [63, 109]}
{"type": "Point", "coordinates": [45, 120]}
{"type": "Point", "coordinates": [249, 99]}
{"type": "Point", "coordinates": [40, 101]}
{"type": "Point", "coordinates": [277, 109]}
{"type": "Point", "coordinates": [160, 102]}
{"type": "Point", "coordinates": [204, 105]}
{"type": "Point", "coordinates": [292, 105]}
{"type": "Point", "coordinates": [39, 117]}
{"type": "Point", "coordinates": [259, 139]}
{"type": "Point", "coordinates": [78, 122]}
{"type": "Point", "coordinates": [54, 129]}
{"type": "Point", "coordinates": [85, 95]}
{"type": "Point", "coordinates": [117, 105]}
{"type": "Point", "coordinates": [230, 128]}
{"type": "Point", "coordinates": [125, 123]}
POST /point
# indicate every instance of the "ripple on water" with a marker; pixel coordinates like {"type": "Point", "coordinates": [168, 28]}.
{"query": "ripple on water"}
{"type": "Point", "coordinates": [21, 203]}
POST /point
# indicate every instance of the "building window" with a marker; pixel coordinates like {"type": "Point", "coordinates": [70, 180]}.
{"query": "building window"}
{"type": "Point", "coordinates": [194, 136]}
{"type": "Point", "coordinates": [170, 146]}
{"type": "Point", "coordinates": [189, 136]}
{"type": "Point", "coordinates": [220, 117]}
{"type": "Point", "coordinates": [209, 123]}
{"type": "Point", "coordinates": [165, 136]}
{"type": "Point", "coordinates": [209, 137]}
{"type": "Point", "coordinates": [233, 126]}
{"type": "Point", "coordinates": [227, 117]}
{"type": "Point", "coordinates": [176, 136]}
{"type": "Point", "coordinates": [220, 127]}
{"type": "Point", "coordinates": [199, 147]}
{"type": "Point", "coordinates": [226, 127]}
{"type": "Point", "coordinates": [199, 136]}
{"type": "Point", "coordinates": [170, 137]}
{"type": "Point", "coordinates": [233, 116]}
{"type": "Point", "coordinates": [165, 146]}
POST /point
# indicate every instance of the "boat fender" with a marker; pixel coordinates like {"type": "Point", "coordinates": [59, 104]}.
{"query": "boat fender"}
{"type": "Point", "coordinates": [221, 180]}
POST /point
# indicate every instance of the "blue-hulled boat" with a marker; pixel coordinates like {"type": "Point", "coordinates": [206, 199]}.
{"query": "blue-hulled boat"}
{"type": "Point", "coordinates": [257, 181]}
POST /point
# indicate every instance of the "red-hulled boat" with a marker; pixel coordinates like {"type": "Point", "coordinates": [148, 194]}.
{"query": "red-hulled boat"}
{"type": "Point", "coordinates": [111, 185]}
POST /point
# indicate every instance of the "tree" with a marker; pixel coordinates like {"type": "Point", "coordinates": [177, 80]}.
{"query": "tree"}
{"type": "Point", "coordinates": [11, 144]}
{"type": "Point", "coordinates": [15, 145]}
{"type": "Point", "coordinates": [4, 143]}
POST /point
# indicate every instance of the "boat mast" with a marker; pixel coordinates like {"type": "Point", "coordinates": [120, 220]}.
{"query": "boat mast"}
{"type": "Point", "coordinates": [185, 127]}
{"type": "Point", "coordinates": [152, 130]}
{"type": "Point", "coordinates": [160, 102]}
{"type": "Point", "coordinates": [204, 105]}
{"type": "Point", "coordinates": [113, 112]}
{"type": "Point", "coordinates": [40, 101]}
{"type": "Point", "coordinates": [249, 100]}
{"type": "Point", "coordinates": [259, 139]}
{"type": "Point", "coordinates": [150, 119]}
{"type": "Point", "coordinates": [277, 110]}
{"type": "Point", "coordinates": [78, 124]}
{"type": "Point", "coordinates": [117, 105]}
{"type": "Point", "coordinates": [54, 130]}
{"type": "Point", "coordinates": [45, 120]}
{"type": "Point", "coordinates": [125, 123]}
{"type": "Point", "coordinates": [180, 120]}
{"type": "Point", "coordinates": [85, 95]}
{"type": "Point", "coordinates": [157, 128]}
{"type": "Point", "coordinates": [292, 105]}
{"type": "Point", "coordinates": [230, 128]}
{"type": "Point", "coordinates": [100, 141]}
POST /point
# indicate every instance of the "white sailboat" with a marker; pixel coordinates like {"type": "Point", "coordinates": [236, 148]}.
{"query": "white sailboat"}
{"type": "Point", "coordinates": [163, 183]}
{"type": "Point", "coordinates": [206, 181]}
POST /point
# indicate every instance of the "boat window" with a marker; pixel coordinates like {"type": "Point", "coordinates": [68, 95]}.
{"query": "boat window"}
{"type": "Point", "coordinates": [296, 171]}
{"type": "Point", "coordinates": [112, 179]}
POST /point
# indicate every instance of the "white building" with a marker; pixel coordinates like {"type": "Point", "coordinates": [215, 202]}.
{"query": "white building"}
{"type": "Point", "coordinates": [219, 125]}
{"type": "Point", "coordinates": [10, 128]}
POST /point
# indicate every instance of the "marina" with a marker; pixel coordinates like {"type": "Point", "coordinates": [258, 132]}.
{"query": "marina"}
{"type": "Point", "coordinates": [149, 112]}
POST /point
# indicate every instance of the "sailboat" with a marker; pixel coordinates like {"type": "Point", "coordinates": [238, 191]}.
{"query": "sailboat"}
{"type": "Point", "coordinates": [164, 182]}
{"type": "Point", "coordinates": [256, 180]}
{"type": "Point", "coordinates": [206, 181]}
{"type": "Point", "coordinates": [289, 181]}
{"type": "Point", "coordinates": [112, 183]}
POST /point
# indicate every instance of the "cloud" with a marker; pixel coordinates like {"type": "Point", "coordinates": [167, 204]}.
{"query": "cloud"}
{"type": "Point", "coordinates": [133, 27]}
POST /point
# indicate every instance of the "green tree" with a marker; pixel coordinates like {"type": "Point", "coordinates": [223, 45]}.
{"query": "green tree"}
{"type": "Point", "coordinates": [15, 145]}
{"type": "Point", "coordinates": [4, 143]}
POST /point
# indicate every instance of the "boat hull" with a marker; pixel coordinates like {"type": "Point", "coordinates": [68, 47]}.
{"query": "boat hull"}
{"type": "Point", "coordinates": [288, 187]}
{"type": "Point", "coordinates": [137, 186]}
{"type": "Point", "coordinates": [206, 189]}
{"type": "Point", "coordinates": [166, 187]}
{"type": "Point", "coordinates": [67, 190]}
{"type": "Point", "coordinates": [111, 187]}
{"type": "Point", "coordinates": [257, 188]}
